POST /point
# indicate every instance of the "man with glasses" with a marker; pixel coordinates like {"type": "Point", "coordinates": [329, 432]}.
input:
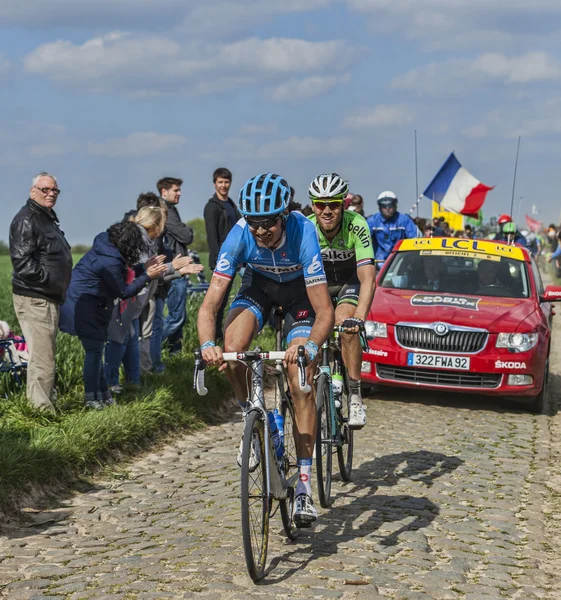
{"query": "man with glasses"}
{"type": "Point", "coordinates": [348, 259]}
{"type": "Point", "coordinates": [42, 267]}
{"type": "Point", "coordinates": [284, 268]}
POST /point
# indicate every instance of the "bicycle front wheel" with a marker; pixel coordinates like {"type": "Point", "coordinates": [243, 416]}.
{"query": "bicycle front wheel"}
{"type": "Point", "coordinates": [255, 501]}
{"type": "Point", "coordinates": [290, 467]}
{"type": "Point", "coordinates": [324, 440]}
{"type": "Point", "coordinates": [345, 444]}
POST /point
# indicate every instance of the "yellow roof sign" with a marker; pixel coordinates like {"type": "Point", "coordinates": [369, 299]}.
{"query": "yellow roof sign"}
{"type": "Point", "coordinates": [459, 244]}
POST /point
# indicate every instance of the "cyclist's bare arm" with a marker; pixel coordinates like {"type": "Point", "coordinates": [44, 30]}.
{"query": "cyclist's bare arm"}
{"type": "Point", "coordinates": [206, 320]}
{"type": "Point", "coordinates": [324, 320]}
{"type": "Point", "coordinates": [367, 277]}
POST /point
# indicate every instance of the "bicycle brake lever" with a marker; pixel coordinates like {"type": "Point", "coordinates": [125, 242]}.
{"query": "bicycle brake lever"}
{"type": "Point", "coordinates": [199, 375]}
{"type": "Point", "coordinates": [304, 385]}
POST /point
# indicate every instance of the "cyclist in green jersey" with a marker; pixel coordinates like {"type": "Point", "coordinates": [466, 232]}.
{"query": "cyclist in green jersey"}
{"type": "Point", "coordinates": [348, 260]}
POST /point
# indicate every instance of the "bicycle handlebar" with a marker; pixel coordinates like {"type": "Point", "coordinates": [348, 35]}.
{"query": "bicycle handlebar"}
{"type": "Point", "coordinates": [200, 365]}
{"type": "Point", "coordinates": [341, 329]}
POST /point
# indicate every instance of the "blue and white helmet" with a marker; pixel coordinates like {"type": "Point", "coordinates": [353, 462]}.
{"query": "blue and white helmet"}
{"type": "Point", "coordinates": [264, 195]}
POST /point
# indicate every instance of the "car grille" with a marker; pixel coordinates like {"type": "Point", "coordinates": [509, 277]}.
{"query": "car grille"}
{"type": "Point", "coordinates": [437, 377]}
{"type": "Point", "coordinates": [422, 338]}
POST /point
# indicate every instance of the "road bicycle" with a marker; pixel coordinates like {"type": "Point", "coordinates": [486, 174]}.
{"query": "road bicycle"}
{"type": "Point", "coordinates": [333, 407]}
{"type": "Point", "coordinates": [265, 477]}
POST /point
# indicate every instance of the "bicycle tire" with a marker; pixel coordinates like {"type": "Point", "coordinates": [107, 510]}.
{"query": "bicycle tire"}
{"type": "Point", "coordinates": [290, 466]}
{"type": "Point", "coordinates": [324, 442]}
{"type": "Point", "coordinates": [345, 447]}
{"type": "Point", "coordinates": [255, 502]}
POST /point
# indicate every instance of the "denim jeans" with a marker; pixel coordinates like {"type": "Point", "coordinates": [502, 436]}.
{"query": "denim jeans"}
{"type": "Point", "coordinates": [95, 384]}
{"type": "Point", "coordinates": [177, 314]}
{"type": "Point", "coordinates": [157, 335]}
{"type": "Point", "coordinates": [127, 353]}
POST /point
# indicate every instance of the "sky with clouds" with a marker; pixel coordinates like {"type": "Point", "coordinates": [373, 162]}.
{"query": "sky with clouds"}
{"type": "Point", "coordinates": [110, 96]}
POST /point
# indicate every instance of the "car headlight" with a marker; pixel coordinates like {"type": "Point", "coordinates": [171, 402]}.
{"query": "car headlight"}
{"type": "Point", "coordinates": [517, 342]}
{"type": "Point", "coordinates": [373, 329]}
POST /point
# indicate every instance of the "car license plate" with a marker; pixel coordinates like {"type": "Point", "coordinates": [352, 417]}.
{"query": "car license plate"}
{"type": "Point", "coordinates": [441, 361]}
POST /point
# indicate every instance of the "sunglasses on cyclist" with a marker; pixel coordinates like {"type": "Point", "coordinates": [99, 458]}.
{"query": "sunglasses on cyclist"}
{"type": "Point", "coordinates": [266, 224]}
{"type": "Point", "coordinates": [323, 204]}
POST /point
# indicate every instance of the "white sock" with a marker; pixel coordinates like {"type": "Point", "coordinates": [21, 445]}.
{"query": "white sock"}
{"type": "Point", "coordinates": [304, 485]}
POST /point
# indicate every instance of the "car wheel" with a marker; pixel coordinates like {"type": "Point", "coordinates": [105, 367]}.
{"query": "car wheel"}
{"type": "Point", "coordinates": [539, 403]}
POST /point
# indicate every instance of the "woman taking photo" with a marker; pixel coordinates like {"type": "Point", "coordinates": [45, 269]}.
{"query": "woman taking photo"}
{"type": "Point", "coordinates": [98, 280]}
{"type": "Point", "coordinates": [124, 330]}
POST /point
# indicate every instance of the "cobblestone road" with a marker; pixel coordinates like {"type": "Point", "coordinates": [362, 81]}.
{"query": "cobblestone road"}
{"type": "Point", "coordinates": [452, 497]}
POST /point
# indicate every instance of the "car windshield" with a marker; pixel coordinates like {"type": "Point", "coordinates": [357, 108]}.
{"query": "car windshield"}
{"type": "Point", "coordinates": [485, 275]}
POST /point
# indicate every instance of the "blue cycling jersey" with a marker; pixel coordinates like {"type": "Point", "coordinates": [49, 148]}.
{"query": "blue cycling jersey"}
{"type": "Point", "coordinates": [298, 254]}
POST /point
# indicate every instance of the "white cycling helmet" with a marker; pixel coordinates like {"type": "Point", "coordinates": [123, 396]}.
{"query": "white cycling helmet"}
{"type": "Point", "coordinates": [386, 199]}
{"type": "Point", "coordinates": [328, 185]}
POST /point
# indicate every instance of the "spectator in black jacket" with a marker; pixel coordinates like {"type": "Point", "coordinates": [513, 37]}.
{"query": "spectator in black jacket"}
{"type": "Point", "coordinates": [42, 267]}
{"type": "Point", "coordinates": [177, 237]}
{"type": "Point", "coordinates": [220, 216]}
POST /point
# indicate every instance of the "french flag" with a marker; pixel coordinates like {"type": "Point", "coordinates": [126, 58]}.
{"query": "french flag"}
{"type": "Point", "coordinates": [456, 189]}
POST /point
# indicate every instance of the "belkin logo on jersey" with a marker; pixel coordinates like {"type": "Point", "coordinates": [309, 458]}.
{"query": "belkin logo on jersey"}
{"type": "Point", "coordinates": [337, 255]}
{"type": "Point", "coordinates": [361, 233]}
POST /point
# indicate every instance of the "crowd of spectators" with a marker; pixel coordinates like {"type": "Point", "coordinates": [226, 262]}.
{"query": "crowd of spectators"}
{"type": "Point", "coordinates": [114, 298]}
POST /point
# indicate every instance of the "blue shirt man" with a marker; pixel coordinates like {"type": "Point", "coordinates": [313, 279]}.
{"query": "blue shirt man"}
{"type": "Point", "coordinates": [388, 226]}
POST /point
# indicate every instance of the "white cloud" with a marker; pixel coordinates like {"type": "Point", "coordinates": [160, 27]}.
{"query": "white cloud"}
{"type": "Point", "coordinates": [227, 18]}
{"type": "Point", "coordinates": [144, 66]}
{"type": "Point", "coordinates": [473, 23]}
{"type": "Point", "coordinates": [139, 143]}
{"type": "Point", "coordinates": [381, 116]}
{"type": "Point", "coordinates": [527, 68]}
{"type": "Point", "coordinates": [190, 16]}
{"type": "Point", "coordinates": [457, 77]}
{"type": "Point", "coordinates": [291, 148]}
{"type": "Point", "coordinates": [298, 89]}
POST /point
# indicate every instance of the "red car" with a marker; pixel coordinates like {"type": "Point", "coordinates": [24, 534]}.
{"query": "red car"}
{"type": "Point", "coordinates": [461, 315]}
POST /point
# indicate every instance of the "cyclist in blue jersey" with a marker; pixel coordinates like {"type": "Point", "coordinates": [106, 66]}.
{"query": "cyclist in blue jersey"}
{"type": "Point", "coordinates": [284, 268]}
{"type": "Point", "coordinates": [389, 226]}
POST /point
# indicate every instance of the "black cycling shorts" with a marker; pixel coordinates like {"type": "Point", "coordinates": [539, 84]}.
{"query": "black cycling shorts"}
{"type": "Point", "coordinates": [260, 295]}
{"type": "Point", "coordinates": [346, 293]}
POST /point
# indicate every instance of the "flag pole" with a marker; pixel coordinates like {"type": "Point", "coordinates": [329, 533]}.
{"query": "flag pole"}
{"type": "Point", "coordinates": [514, 180]}
{"type": "Point", "coordinates": [416, 176]}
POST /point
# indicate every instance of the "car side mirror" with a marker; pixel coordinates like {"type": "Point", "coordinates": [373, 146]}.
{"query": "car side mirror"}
{"type": "Point", "coordinates": [552, 294]}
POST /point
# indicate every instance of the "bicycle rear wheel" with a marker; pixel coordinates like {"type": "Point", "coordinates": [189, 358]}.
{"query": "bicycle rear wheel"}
{"type": "Point", "coordinates": [290, 468]}
{"type": "Point", "coordinates": [255, 502]}
{"type": "Point", "coordinates": [345, 446]}
{"type": "Point", "coordinates": [324, 440]}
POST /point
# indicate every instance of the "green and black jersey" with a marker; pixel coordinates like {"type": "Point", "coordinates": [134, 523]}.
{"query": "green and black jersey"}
{"type": "Point", "coordinates": [349, 250]}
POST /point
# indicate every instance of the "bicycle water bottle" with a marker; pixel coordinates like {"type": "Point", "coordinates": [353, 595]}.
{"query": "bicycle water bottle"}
{"type": "Point", "coordinates": [337, 380]}
{"type": "Point", "coordinates": [279, 419]}
{"type": "Point", "coordinates": [274, 433]}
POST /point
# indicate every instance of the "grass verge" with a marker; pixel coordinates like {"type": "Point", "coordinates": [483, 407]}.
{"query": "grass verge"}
{"type": "Point", "coordinates": [39, 452]}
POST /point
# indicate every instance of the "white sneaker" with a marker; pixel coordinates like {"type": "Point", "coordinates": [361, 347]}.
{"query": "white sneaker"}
{"type": "Point", "coordinates": [357, 414]}
{"type": "Point", "coordinates": [305, 512]}
{"type": "Point", "coordinates": [255, 456]}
